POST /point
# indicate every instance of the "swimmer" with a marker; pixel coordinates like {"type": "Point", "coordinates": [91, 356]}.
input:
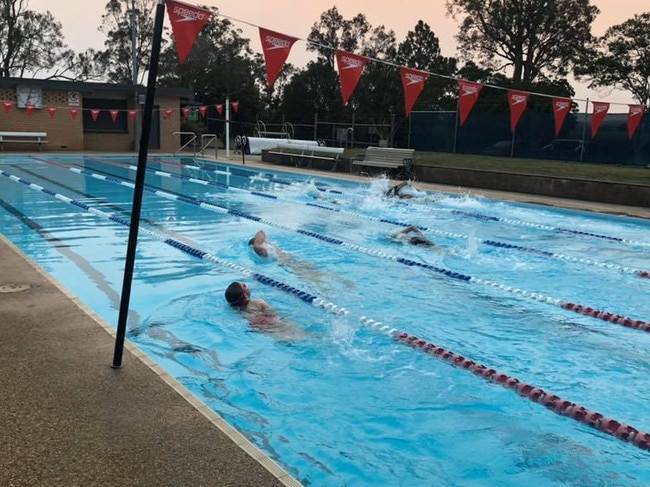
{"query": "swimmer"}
{"type": "Point", "coordinates": [417, 238]}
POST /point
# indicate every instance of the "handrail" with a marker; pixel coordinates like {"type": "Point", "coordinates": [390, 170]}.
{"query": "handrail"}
{"type": "Point", "coordinates": [211, 138]}
{"type": "Point", "coordinates": [192, 140]}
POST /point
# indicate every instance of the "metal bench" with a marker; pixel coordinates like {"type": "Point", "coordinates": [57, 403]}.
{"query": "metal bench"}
{"type": "Point", "coordinates": [388, 158]}
{"type": "Point", "coordinates": [23, 137]}
{"type": "Point", "coordinates": [309, 152]}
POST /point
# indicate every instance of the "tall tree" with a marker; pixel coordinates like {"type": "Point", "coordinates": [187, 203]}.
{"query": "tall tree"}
{"type": "Point", "coordinates": [30, 42]}
{"type": "Point", "coordinates": [622, 59]}
{"type": "Point", "coordinates": [220, 64]}
{"type": "Point", "coordinates": [532, 38]}
{"type": "Point", "coordinates": [333, 32]}
{"type": "Point", "coordinates": [121, 20]}
{"type": "Point", "coordinates": [421, 50]}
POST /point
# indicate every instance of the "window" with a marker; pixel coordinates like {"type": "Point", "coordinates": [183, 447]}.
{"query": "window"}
{"type": "Point", "coordinates": [104, 122]}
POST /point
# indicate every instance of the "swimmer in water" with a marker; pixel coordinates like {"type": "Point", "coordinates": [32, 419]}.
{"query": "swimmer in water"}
{"type": "Point", "coordinates": [414, 236]}
{"type": "Point", "coordinates": [260, 315]}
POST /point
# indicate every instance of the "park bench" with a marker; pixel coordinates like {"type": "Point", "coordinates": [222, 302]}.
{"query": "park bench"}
{"type": "Point", "coordinates": [398, 160]}
{"type": "Point", "coordinates": [22, 137]}
{"type": "Point", "coordinates": [299, 153]}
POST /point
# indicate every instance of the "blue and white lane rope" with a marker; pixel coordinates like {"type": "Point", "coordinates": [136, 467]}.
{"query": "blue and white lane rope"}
{"type": "Point", "coordinates": [563, 407]}
{"type": "Point", "coordinates": [564, 304]}
{"type": "Point", "coordinates": [541, 226]}
{"type": "Point", "coordinates": [493, 243]}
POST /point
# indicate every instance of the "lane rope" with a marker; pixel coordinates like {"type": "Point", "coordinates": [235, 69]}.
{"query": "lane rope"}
{"type": "Point", "coordinates": [590, 311]}
{"type": "Point", "coordinates": [558, 405]}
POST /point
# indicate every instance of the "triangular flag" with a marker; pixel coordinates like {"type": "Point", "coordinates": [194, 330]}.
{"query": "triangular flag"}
{"type": "Point", "coordinates": [203, 110]}
{"type": "Point", "coordinates": [168, 113]}
{"type": "Point", "coordinates": [74, 112]}
{"type": "Point", "coordinates": [132, 114]}
{"type": "Point", "coordinates": [413, 83]}
{"type": "Point", "coordinates": [634, 117]}
{"type": "Point", "coordinates": [561, 107]}
{"type": "Point", "coordinates": [276, 48]}
{"type": "Point", "coordinates": [350, 68]}
{"type": "Point", "coordinates": [186, 112]}
{"type": "Point", "coordinates": [219, 108]}
{"type": "Point", "coordinates": [94, 113]}
{"type": "Point", "coordinates": [8, 105]}
{"type": "Point", "coordinates": [114, 114]}
{"type": "Point", "coordinates": [51, 111]}
{"type": "Point", "coordinates": [29, 109]}
{"type": "Point", "coordinates": [187, 21]}
{"type": "Point", "coordinates": [598, 115]}
{"type": "Point", "coordinates": [517, 101]}
{"type": "Point", "coordinates": [235, 106]}
{"type": "Point", "coordinates": [468, 94]}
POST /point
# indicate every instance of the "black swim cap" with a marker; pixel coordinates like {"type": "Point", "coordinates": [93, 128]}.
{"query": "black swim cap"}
{"type": "Point", "coordinates": [234, 294]}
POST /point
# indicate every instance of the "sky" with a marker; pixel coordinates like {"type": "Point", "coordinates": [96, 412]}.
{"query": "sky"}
{"type": "Point", "coordinates": [81, 20]}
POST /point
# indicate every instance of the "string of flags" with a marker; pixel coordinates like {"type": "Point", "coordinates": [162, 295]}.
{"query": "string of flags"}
{"type": "Point", "coordinates": [188, 20]}
{"type": "Point", "coordinates": [114, 113]}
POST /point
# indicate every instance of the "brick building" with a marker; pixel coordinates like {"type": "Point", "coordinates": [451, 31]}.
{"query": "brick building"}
{"type": "Point", "coordinates": [82, 116]}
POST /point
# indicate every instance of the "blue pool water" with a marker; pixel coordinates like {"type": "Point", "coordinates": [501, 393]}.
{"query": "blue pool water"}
{"type": "Point", "coordinates": [337, 400]}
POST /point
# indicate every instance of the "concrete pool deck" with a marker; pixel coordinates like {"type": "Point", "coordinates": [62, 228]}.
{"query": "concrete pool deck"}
{"type": "Point", "coordinates": [68, 418]}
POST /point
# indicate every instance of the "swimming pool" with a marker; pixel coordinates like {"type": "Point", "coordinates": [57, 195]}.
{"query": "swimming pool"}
{"type": "Point", "coordinates": [341, 401]}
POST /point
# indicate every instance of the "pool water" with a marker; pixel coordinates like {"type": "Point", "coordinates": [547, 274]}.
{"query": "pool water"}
{"type": "Point", "coordinates": [334, 398]}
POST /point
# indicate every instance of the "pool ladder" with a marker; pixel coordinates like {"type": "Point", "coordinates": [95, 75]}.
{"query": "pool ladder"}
{"type": "Point", "coordinates": [206, 141]}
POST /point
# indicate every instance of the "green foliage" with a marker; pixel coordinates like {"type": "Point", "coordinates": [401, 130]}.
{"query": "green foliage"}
{"type": "Point", "coordinates": [531, 38]}
{"type": "Point", "coordinates": [30, 42]}
{"type": "Point", "coordinates": [621, 58]}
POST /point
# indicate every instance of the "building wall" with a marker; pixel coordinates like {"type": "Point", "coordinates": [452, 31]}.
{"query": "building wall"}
{"type": "Point", "coordinates": [65, 133]}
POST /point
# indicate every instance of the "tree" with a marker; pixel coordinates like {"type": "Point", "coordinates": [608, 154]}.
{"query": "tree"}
{"type": "Point", "coordinates": [333, 32]}
{"type": "Point", "coordinates": [30, 42]}
{"type": "Point", "coordinates": [622, 59]}
{"type": "Point", "coordinates": [220, 64]}
{"type": "Point", "coordinates": [121, 19]}
{"type": "Point", "coordinates": [533, 38]}
{"type": "Point", "coordinates": [421, 50]}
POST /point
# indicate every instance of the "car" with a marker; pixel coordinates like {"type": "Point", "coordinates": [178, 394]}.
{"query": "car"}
{"type": "Point", "coordinates": [577, 150]}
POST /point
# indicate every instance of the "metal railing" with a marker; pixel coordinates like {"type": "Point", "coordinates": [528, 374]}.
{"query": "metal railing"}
{"type": "Point", "coordinates": [191, 141]}
{"type": "Point", "coordinates": [206, 140]}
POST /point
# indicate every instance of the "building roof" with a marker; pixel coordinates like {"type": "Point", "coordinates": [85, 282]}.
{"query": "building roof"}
{"type": "Point", "coordinates": [91, 87]}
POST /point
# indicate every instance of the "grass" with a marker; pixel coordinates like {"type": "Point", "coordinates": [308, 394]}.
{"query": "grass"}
{"type": "Point", "coordinates": [536, 167]}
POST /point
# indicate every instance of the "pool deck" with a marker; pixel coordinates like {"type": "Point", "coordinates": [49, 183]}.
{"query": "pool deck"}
{"type": "Point", "coordinates": [68, 418]}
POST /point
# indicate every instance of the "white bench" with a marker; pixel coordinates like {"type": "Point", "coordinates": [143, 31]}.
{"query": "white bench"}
{"type": "Point", "coordinates": [389, 158]}
{"type": "Point", "coordinates": [23, 137]}
{"type": "Point", "coordinates": [308, 152]}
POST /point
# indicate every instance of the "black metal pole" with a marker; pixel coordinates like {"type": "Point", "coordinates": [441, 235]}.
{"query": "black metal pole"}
{"type": "Point", "coordinates": [139, 187]}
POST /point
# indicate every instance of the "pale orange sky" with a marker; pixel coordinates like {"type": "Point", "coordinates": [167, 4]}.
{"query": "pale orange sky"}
{"type": "Point", "coordinates": [294, 17]}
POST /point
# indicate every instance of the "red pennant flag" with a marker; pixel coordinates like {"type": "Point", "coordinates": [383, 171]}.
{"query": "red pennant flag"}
{"type": "Point", "coordinates": [187, 21]}
{"type": "Point", "coordinates": [114, 114]}
{"type": "Point", "coordinates": [8, 105]}
{"type": "Point", "coordinates": [219, 108]}
{"type": "Point", "coordinates": [168, 113]}
{"type": "Point", "coordinates": [94, 114]}
{"type": "Point", "coordinates": [186, 112]}
{"type": "Point", "coordinates": [350, 68]}
{"type": "Point", "coordinates": [74, 112]}
{"type": "Point", "coordinates": [467, 97]}
{"type": "Point", "coordinates": [235, 106]}
{"type": "Point", "coordinates": [561, 107]}
{"type": "Point", "coordinates": [599, 114]}
{"type": "Point", "coordinates": [51, 111]}
{"type": "Point", "coordinates": [203, 110]}
{"type": "Point", "coordinates": [29, 109]}
{"type": "Point", "coordinates": [413, 83]}
{"type": "Point", "coordinates": [517, 101]}
{"type": "Point", "coordinates": [276, 49]}
{"type": "Point", "coordinates": [634, 117]}
{"type": "Point", "coordinates": [132, 115]}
